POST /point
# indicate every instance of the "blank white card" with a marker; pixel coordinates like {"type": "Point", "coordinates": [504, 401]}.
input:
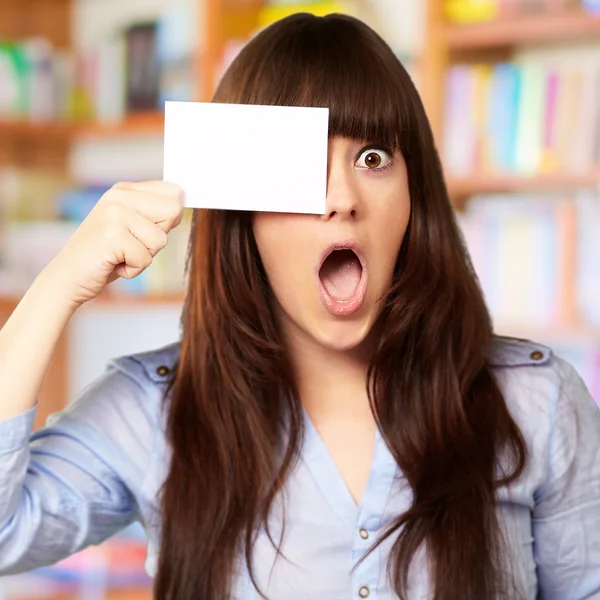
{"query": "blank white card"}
{"type": "Point", "coordinates": [248, 157]}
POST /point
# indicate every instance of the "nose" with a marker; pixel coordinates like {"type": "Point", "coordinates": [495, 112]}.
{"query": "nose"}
{"type": "Point", "coordinates": [343, 198]}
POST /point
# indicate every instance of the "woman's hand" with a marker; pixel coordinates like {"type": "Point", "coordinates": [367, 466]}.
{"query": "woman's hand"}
{"type": "Point", "coordinates": [119, 238]}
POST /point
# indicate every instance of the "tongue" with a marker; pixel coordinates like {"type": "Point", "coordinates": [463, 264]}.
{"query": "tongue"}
{"type": "Point", "coordinates": [341, 274]}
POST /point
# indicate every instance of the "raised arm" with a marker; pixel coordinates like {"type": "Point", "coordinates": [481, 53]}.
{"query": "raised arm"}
{"type": "Point", "coordinates": [77, 481]}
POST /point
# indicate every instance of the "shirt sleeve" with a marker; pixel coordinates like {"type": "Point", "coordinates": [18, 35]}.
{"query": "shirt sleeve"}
{"type": "Point", "coordinates": [566, 517]}
{"type": "Point", "coordinates": [75, 482]}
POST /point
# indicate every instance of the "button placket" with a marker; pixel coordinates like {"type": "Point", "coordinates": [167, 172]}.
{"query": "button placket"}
{"type": "Point", "coordinates": [366, 576]}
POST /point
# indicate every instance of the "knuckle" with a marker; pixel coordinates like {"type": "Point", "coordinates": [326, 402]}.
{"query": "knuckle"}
{"type": "Point", "coordinates": [172, 188]}
{"type": "Point", "coordinates": [125, 187]}
{"type": "Point", "coordinates": [114, 211]}
{"type": "Point", "coordinates": [162, 239]}
{"type": "Point", "coordinates": [113, 231]}
{"type": "Point", "coordinates": [176, 209]}
{"type": "Point", "coordinates": [178, 193]}
{"type": "Point", "coordinates": [110, 196]}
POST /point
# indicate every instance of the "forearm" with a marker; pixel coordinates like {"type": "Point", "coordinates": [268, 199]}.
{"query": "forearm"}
{"type": "Point", "coordinates": [27, 342]}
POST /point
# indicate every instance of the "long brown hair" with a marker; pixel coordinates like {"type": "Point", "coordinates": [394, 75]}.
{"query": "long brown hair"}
{"type": "Point", "coordinates": [430, 386]}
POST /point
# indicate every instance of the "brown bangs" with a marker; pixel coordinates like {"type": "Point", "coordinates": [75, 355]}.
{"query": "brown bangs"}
{"type": "Point", "coordinates": [329, 62]}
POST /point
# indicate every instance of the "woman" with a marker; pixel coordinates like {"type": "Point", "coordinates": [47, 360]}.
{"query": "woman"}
{"type": "Point", "coordinates": [338, 421]}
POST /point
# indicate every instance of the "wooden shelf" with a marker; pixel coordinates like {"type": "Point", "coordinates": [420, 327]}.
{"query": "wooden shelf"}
{"type": "Point", "coordinates": [38, 129]}
{"type": "Point", "coordinates": [22, 19]}
{"type": "Point", "coordinates": [524, 30]}
{"type": "Point", "coordinates": [460, 188]}
{"type": "Point", "coordinates": [135, 124]}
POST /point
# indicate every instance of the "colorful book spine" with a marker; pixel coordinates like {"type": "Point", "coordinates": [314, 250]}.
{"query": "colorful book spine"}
{"type": "Point", "coordinates": [548, 158]}
{"type": "Point", "coordinates": [525, 118]}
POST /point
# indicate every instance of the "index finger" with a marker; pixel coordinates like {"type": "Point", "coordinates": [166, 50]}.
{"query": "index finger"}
{"type": "Point", "coordinates": [166, 188]}
{"type": "Point", "coordinates": [164, 210]}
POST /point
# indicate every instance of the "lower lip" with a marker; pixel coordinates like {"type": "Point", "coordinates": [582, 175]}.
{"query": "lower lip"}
{"type": "Point", "coordinates": [344, 308]}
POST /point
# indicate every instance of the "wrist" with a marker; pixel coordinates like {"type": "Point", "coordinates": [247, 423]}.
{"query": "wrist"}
{"type": "Point", "coordinates": [50, 286]}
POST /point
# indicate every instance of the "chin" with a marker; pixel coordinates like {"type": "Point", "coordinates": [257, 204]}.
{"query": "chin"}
{"type": "Point", "coordinates": [341, 335]}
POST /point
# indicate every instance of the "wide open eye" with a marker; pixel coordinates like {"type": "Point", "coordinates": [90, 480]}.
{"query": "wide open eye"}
{"type": "Point", "coordinates": [374, 159]}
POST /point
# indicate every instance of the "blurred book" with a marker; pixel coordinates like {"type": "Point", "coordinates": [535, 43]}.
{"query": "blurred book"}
{"type": "Point", "coordinates": [538, 262]}
{"type": "Point", "coordinates": [131, 70]}
{"type": "Point", "coordinates": [142, 92]}
{"type": "Point", "coordinates": [525, 118]}
{"type": "Point", "coordinates": [175, 54]}
{"type": "Point", "coordinates": [14, 77]}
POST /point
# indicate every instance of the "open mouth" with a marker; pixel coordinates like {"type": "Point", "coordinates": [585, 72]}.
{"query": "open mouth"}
{"type": "Point", "coordinates": [342, 278]}
{"type": "Point", "coordinates": [340, 274]}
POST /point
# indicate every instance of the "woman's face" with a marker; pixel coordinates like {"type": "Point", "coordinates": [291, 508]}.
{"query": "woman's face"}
{"type": "Point", "coordinates": [330, 273]}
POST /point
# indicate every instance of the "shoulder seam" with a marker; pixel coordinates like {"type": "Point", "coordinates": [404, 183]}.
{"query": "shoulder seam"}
{"type": "Point", "coordinates": [157, 365]}
{"type": "Point", "coordinates": [514, 352]}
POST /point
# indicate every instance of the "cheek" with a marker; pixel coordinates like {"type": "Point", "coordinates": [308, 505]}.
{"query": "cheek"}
{"type": "Point", "coordinates": [281, 246]}
{"type": "Point", "coordinates": [392, 223]}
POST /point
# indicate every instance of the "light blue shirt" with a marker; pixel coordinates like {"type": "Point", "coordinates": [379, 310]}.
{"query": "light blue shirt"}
{"type": "Point", "coordinates": [98, 465]}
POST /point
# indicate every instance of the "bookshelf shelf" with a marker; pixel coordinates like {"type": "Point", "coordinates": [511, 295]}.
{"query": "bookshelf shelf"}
{"type": "Point", "coordinates": [135, 124]}
{"type": "Point", "coordinates": [38, 129]}
{"type": "Point", "coordinates": [462, 187]}
{"type": "Point", "coordinates": [522, 30]}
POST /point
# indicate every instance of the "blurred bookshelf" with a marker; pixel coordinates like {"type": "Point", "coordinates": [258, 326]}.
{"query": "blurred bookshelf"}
{"type": "Point", "coordinates": [131, 124]}
{"type": "Point", "coordinates": [512, 88]}
{"type": "Point", "coordinates": [530, 217]}
{"type": "Point", "coordinates": [194, 41]}
{"type": "Point", "coordinates": [462, 188]}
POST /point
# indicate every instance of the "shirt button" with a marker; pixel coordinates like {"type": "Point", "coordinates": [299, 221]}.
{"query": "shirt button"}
{"type": "Point", "coordinates": [364, 534]}
{"type": "Point", "coordinates": [536, 355]}
{"type": "Point", "coordinates": [162, 370]}
{"type": "Point", "coordinates": [364, 592]}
